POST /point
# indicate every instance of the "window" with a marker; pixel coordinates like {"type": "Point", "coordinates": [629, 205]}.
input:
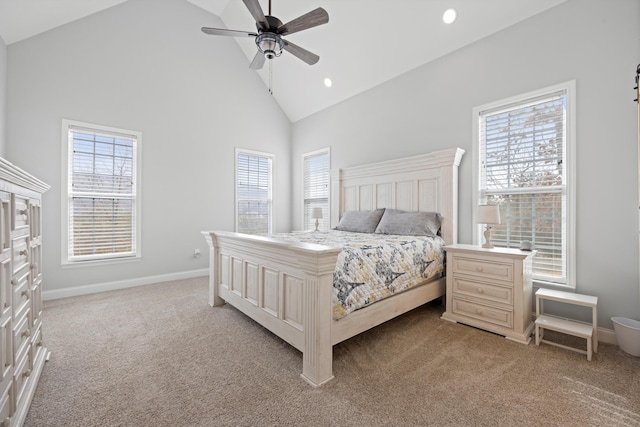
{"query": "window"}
{"type": "Point", "coordinates": [253, 192]}
{"type": "Point", "coordinates": [101, 213]}
{"type": "Point", "coordinates": [316, 188]}
{"type": "Point", "coordinates": [525, 154]}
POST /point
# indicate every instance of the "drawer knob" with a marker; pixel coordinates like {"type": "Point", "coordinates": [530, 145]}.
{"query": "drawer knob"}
{"type": "Point", "coordinates": [480, 290]}
{"type": "Point", "coordinates": [478, 311]}
{"type": "Point", "coordinates": [23, 252]}
{"type": "Point", "coordinates": [34, 266]}
{"type": "Point", "coordinates": [27, 373]}
{"type": "Point", "coordinates": [26, 333]}
{"type": "Point", "coordinates": [23, 212]}
{"type": "Point", "coordinates": [14, 281]}
{"type": "Point", "coordinates": [479, 269]}
{"type": "Point", "coordinates": [26, 293]}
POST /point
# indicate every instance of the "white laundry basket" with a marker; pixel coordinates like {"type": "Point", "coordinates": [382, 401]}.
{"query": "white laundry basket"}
{"type": "Point", "coordinates": [627, 334]}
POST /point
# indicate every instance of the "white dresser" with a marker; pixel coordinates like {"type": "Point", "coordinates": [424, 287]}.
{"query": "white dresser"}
{"type": "Point", "coordinates": [22, 352]}
{"type": "Point", "coordinates": [491, 289]}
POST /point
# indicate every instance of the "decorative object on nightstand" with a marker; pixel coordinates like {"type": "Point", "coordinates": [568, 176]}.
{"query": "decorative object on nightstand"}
{"type": "Point", "coordinates": [488, 215]}
{"type": "Point", "coordinates": [526, 245]}
{"type": "Point", "coordinates": [491, 289]}
{"type": "Point", "coordinates": [317, 215]}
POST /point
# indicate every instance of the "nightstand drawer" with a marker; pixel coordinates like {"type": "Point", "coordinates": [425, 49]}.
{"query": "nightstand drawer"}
{"type": "Point", "coordinates": [487, 291]}
{"type": "Point", "coordinates": [483, 312]}
{"type": "Point", "coordinates": [482, 268]}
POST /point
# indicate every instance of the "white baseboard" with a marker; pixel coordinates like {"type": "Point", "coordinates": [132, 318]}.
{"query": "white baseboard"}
{"type": "Point", "coordinates": [607, 336]}
{"type": "Point", "coordinates": [121, 284]}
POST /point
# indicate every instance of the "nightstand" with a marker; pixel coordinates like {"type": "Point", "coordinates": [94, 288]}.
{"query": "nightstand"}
{"type": "Point", "coordinates": [491, 289]}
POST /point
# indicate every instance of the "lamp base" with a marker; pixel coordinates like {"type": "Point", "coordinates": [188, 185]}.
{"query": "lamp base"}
{"type": "Point", "coordinates": [487, 238]}
{"type": "Point", "coordinates": [317, 224]}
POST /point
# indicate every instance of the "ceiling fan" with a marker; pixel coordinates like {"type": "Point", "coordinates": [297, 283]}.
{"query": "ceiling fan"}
{"type": "Point", "coordinates": [270, 32]}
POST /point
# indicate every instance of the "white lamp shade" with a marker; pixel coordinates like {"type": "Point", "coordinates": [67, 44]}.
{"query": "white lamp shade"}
{"type": "Point", "coordinates": [488, 214]}
{"type": "Point", "coordinates": [316, 213]}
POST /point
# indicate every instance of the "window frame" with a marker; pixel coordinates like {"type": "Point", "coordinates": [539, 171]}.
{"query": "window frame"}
{"type": "Point", "coordinates": [67, 260]}
{"type": "Point", "coordinates": [569, 88]}
{"type": "Point", "coordinates": [324, 222]}
{"type": "Point", "coordinates": [254, 153]}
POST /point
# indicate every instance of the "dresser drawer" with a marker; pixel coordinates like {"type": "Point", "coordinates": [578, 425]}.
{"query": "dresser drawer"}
{"type": "Point", "coordinates": [20, 253]}
{"type": "Point", "coordinates": [36, 345]}
{"type": "Point", "coordinates": [6, 288]}
{"type": "Point", "coordinates": [6, 388]}
{"type": "Point", "coordinates": [486, 291]}
{"type": "Point", "coordinates": [21, 339]}
{"type": "Point", "coordinates": [21, 378]}
{"type": "Point", "coordinates": [20, 218]}
{"type": "Point", "coordinates": [482, 268]}
{"type": "Point", "coordinates": [6, 357]}
{"type": "Point", "coordinates": [483, 312]}
{"type": "Point", "coordinates": [21, 294]}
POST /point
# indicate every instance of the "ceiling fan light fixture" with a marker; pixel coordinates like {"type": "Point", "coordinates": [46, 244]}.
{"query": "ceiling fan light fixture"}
{"type": "Point", "coordinates": [269, 44]}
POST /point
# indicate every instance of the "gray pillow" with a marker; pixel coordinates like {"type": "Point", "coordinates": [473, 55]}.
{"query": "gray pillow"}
{"type": "Point", "coordinates": [360, 221]}
{"type": "Point", "coordinates": [409, 223]}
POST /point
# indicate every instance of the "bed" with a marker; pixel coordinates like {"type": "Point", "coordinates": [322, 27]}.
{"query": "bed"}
{"type": "Point", "coordinates": [287, 286]}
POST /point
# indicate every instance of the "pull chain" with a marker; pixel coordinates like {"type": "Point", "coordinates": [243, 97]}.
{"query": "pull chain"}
{"type": "Point", "coordinates": [270, 76]}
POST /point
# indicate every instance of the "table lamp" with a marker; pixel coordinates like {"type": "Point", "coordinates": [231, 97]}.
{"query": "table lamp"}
{"type": "Point", "coordinates": [316, 213]}
{"type": "Point", "coordinates": [488, 215]}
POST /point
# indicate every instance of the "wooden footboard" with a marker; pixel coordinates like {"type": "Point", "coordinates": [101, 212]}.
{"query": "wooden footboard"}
{"type": "Point", "coordinates": [284, 286]}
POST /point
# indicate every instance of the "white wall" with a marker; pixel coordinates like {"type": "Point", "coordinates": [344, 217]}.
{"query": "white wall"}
{"type": "Point", "coordinates": [145, 65]}
{"type": "Point", "coordinates": [430, 108]}
{"type": "Point", "coordinates": [3, 97]}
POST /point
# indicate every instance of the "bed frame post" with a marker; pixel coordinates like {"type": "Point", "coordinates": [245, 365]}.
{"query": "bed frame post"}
{"type": "Point", "coordinates": [317, 356]}
{"type": "Point", "coordinates": [214, 270]}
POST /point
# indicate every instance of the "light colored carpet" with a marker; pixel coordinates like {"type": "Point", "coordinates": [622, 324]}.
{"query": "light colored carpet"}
{"type": "Point", "coordinates": [159, 355]}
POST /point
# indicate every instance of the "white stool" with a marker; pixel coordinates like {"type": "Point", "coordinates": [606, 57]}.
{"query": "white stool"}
{"type": "Point", "coordinates": [567, 326]}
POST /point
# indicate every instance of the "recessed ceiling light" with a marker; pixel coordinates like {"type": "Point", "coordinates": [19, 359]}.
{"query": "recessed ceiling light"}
{"type": "Point", "coordinates": [327, 82]}
{"type": "Point", "coordinates": [449, 16]}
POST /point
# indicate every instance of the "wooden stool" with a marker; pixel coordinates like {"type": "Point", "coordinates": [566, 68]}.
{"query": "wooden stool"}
{"type": "Point", "coordinates": [567, 326]}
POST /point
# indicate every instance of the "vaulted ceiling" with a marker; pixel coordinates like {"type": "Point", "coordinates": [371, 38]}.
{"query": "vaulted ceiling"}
{"type": "Point", "coordinates": [365, 43]}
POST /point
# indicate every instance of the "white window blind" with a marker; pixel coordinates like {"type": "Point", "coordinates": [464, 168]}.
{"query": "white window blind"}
{"type": "Point", "coordinates": [316, 188]}
{"type": "Point", "coordinates": [253, 192]}
{"type": "Point", "coordinates": [523, 169]}
{"type": "Point", "coordinates": [102, 195]}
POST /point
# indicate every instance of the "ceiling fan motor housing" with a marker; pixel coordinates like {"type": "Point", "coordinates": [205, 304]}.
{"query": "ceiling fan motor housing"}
{"type": "Point", "coordinates": [270, 44]}
{"type": "Point", "coordinates": [268, 39]}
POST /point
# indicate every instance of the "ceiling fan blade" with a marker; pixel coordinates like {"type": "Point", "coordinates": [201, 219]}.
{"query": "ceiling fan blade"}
{"type": "Point", "coordinates": [258, 61]}
{"type": "Point", "coordinates": [312, 19]}
{"type": "Point", "coordinates": [257, 13]}
{"type": "Point", "coordinates": [223, 32]}
{"type": "Point", "coordinates": [305, 55]}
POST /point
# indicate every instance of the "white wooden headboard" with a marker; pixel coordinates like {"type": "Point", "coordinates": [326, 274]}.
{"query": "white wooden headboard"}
{"type": "Point", "coordinates": [427, 182]}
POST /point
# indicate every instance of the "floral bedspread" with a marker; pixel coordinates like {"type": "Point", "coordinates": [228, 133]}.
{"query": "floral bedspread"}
{"type": "Point", "coordinates": [374, 266]}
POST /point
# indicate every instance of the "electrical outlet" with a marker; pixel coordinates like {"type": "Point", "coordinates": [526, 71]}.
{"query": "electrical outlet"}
{"type": "Point", "coordinates": [196, 253]}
